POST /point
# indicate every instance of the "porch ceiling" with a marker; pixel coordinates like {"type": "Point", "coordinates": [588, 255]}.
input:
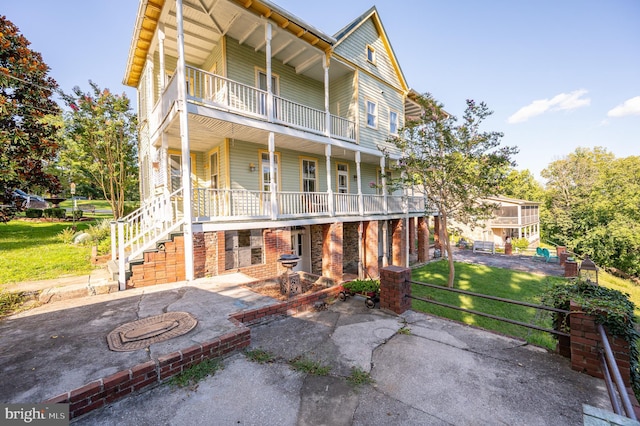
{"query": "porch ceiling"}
{"type": "Point", "coordinates": [206, 133]}
{"type": "Point", "coordinates": [293, 43]}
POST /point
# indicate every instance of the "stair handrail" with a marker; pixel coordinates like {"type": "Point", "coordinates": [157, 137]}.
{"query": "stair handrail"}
{"type": "Point", "coordinates": [144, 227]}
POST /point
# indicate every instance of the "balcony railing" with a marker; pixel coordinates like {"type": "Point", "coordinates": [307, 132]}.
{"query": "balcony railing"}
{"type": "Point", "coordinates": [220, 92]}
{"type": "Point", "coordinates": [513, 220]}
{"type": "Point", "coordinates": [240, 204]}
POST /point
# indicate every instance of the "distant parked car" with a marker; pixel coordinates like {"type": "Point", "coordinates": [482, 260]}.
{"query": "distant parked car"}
{"type": "Point", "coordinates": [29, 201]}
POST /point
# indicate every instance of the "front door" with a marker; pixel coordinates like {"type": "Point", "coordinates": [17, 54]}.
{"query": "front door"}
{"type": "Point", "coordinates": [301, 247]}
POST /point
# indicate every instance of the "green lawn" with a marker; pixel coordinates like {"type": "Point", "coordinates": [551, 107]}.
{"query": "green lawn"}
{"type": "Point", "coordinates": [30, 251]}
{"type": "Point", "coordinates": [482, 279]}
{"type": "Point", "coordinates": [505, 283]}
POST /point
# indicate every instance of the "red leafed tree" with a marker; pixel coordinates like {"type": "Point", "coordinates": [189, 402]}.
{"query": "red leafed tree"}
{"type": "Point", "coordinates": [27, 143]}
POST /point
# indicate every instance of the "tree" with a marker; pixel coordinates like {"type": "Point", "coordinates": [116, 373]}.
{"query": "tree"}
{"type": "Point", "coordinates": [456, 165]}
{"type": "Point", "coordinates": [593, 200]}
{"type": "Point", "coordinates": [101, 143]}
{"type": "Point", "coordinates": [522, 185]}
{"type": "Point", "coordinates": [27, 142]}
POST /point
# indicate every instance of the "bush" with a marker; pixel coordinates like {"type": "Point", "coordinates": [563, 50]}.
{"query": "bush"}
{"type": "Point", "coordinates": [362, 286]}
{"type": "Point", "coordinates": [77, 214]}
{"type": "Point", "coordinates": [47, 212]}
{"type": "Point", "coordinates": [33, 213]}
{"type": "Point", "coordinates": [66, 235]}
{"type": "Point", "coordinates": [59, 213]}
{"type": "Point", "coordinates": [520, 243]}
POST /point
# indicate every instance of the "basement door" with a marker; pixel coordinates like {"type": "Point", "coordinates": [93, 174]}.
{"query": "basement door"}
{"type": "Point", "coordinates": [301, 247]}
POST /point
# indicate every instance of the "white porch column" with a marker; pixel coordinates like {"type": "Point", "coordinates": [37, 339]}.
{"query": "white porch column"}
{"type": "Point", "coordinates": [163, 71]}
{"type": "Point", "coordinates": [327, 153]}
{"type": "Point", "coordinates": [186, 149]}
{"type": "Point", "coordinates": [267, 35]}
{"type": "Point", "coordinates": [385, 243]}
{"type": "Point", "coordinates": [359, 181]}
{"type": "Point", "coordinates": [384, 184]}
{"type": "Point", "coordinates": [405, 208]}
{"type": "Point", "coordinates": [326, 96]}
{"type": "Point", "coordinates": [273, 186]}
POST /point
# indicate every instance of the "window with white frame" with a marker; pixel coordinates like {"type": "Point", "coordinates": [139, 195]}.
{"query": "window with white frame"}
{"type": "Point", "coordinates": [393, 122]}
{"type": "Point", "coordinates": [371, 54]}
{"type": "Point", "coordinates": [343, 178]}
{"type": "Point", "coordinates": [214, 170]}
{"type": "Point", "coordinates": [372, 114]}
{"type": "Point", "coordinates": [309, 175]}
{"type": "Point", "coordinates": [265, 176]}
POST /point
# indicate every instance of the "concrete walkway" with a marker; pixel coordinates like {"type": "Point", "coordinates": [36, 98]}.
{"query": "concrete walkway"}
{"type": "Point", "coordinates": [438, 373]}
{"type": "Point", "coordinates": [425, 370]}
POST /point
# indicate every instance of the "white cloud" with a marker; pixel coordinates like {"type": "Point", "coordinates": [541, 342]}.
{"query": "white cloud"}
{"type": "Point", "coordinates": [561, 102]}
{"type": "Point", "coordinates": [628, 107]}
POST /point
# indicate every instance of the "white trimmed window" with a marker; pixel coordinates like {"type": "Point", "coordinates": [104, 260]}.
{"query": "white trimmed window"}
{"type": "Point", "coordinates": [371, 54]}
{"type": "Point", "coordinates": [393, 122]}
{"type": "Point", "coordinates": [372, 114]}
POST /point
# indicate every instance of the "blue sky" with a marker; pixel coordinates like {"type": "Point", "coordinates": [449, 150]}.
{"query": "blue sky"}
{"type": "Point", "coordinates": [557, 74]}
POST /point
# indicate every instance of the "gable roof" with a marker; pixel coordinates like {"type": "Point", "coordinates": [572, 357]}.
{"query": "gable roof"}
{"type": "Point", "coordinates": [373, 15]}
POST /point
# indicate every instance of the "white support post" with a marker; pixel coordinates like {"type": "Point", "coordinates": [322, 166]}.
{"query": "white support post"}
{"type": "Point", "coordinates": [359, 182]}
{"type": "Point", "coordinates": [122, 261]}
{"type": "Point", "coordinates": [186, 149]}
{"type": "Point", "coordinates": [114, 241]}
{"type": "Point", "coordinates": [267, 35]}
{"type": "Point", "coordinates": [163, 71]}
{"type": "Point", "coordinates": [385, 243]}
{"type": "Point", "coordinates": [331, 206]}
{"type": "Point", "coordinates": [326, 96]}
{"type": "Point", "coordinates": [273, 187]}
{"type": "Point", "coordinates": [384, 185]}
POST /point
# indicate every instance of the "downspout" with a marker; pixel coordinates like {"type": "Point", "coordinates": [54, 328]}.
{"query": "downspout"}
{"type": "Point", "coordinates": [186, 149]}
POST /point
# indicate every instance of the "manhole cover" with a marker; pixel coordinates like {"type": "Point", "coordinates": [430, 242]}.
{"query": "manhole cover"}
{"type": "Point", "coordinates": [142, 333]}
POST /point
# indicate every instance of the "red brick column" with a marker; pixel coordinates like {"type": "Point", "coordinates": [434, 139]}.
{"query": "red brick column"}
{"type": "Point", "coordinates": [399, 242]}
{"type": "Point", "coordinates": [584, 343]}
{"type": "Point", "coordinates": [423, 239]}
{"type": "Point", "coordinates": [332, 239]}
{"type": "Point", "coordinates": [395, 286]}
{"type": "Point", "coordinates": [561, 252]}
{"type": "Point", "coordinates": [412, 235]}
{"type": "Point", "coordinates": [570, 268]}
{"type": "Point", "coordinates": [436, 232]}
{"type": "Point", "coordinates": [370, 236]}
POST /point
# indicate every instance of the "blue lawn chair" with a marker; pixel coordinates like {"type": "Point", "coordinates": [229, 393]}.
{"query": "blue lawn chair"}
{"type": "Point", "coordinates": [549, 257]}
{"type": "Point", "coordinates": [539, 254]}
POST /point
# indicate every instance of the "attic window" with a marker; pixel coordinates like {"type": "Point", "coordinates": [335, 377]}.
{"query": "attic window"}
{"type": "Point", "coordinates": [371, 54]}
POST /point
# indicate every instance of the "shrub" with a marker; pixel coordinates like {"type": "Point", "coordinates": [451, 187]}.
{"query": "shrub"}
{"type": "Point", "coordinates": [47, 212]}
{"type": "Point", "coordinates": [66, 235]}
{"type": "Point", "coordinates": [520, 243]}
{"type": "Point", "coordinates": [59, 213]}
{"type": "Point", "coordinates": [77, 214]}
{"type": "Point", "coordinates": [610, 307]}
{"type": "Point", "coordinates": [362, 286]}
{"type": "Point", "coordinates": [33, 213]}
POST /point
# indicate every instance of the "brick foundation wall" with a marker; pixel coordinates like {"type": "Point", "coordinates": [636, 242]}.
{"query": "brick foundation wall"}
{"type": "Point", "coordinates": [350, 251]}
{"type": "Point", "coordinates": [290, 307]}
{"type": "Point", "coordinates": [332, 240]}
{"type": "Point", "coordinates": [165, 265]}
{"type": "Point", "coordinates": [412, 235]}
{"type": "Point", "coordinates": [104, 391]}
{"type": "Point", "coordinates": [423, 239]}
{"type": "Point", "coordinates": [370, 236]}
{"type": "Point", "coordinates": [316, 249]}
{"type": "Point", "coordinates": [399, 242]}
{"type": "Point", "coordinates": [395, 286]}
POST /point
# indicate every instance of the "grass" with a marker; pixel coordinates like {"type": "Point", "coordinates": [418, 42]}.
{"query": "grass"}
{"type": "Point", "coordinates": [359, 377]}
{"type": "Point", "coordinates": [259, 355]}
{"type": "Point", "coordinates": [310, 367]}
{"type": "Point", "coordinates": [498, 282]}
{"type": "Point", "coordinates": [31, 251]}
{"type": "Point", "coordinates": [194, 374]}
{"type": "Point", "coordinates": [11, 302]}
{"type": "Point", "coordinates": [505, 283]}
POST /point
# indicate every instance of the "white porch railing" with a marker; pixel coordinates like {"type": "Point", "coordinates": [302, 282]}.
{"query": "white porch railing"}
{"type": "Point", "coordinates": [296, 204]}
{"type": "Point", "coordinates": [373, 204]}
{"type": "Point", "coordinates": [140, 230]}
{"type": "Point", "coordinates": [346, 204]}
{"type": "Point", "coordinates": [220, 92]}
{"type": "Point", "coordinates": [237, 203]}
